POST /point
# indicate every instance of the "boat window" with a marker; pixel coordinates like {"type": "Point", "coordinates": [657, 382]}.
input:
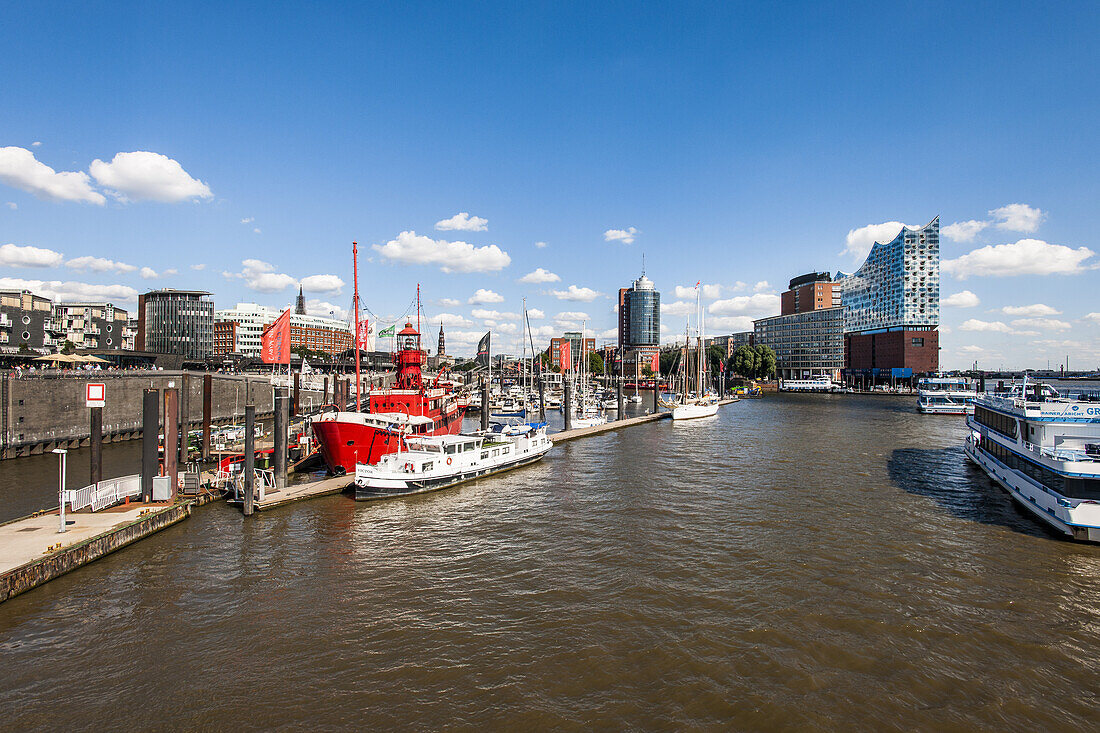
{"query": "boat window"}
{"type": "Point", "coordinates": [484, 454]}
{"type": "Point", "coordinates": [496, 452]}
{"type": "Point", "coordinates": [427, 466]}
{"type": "Point", "coordinates": [449, 449]}
{"type": "Point", "coordinates": [1002, 424]}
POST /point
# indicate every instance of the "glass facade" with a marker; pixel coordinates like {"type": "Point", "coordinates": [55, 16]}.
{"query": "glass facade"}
{"type": "Point", "coordinates": [643, 305]}
{"type": "Point", "coordinates": [809, 344]}
{"type": "Point", "coordinates": [179, 322]}
{"type": "Point", "coordinates": [897, 285]}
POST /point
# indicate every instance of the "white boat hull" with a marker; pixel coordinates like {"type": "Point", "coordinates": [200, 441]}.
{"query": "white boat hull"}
{"type": "Point", "coordinates": [694, 412]}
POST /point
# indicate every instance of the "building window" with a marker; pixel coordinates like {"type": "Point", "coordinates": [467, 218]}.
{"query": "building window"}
{"type": "Point", "coordinates": [918, 341]}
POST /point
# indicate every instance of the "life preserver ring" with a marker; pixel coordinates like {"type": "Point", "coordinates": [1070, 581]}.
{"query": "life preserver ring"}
{"type": "Point", "coordinates": [409, 467]}
{"type": "Point", "coordinates": [448, 460]}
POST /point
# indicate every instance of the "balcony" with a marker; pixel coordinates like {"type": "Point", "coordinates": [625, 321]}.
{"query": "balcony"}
{"type": "Point", "coordinates": [5, 320]}
{"type": "Point", "coordinates": [51, 326]}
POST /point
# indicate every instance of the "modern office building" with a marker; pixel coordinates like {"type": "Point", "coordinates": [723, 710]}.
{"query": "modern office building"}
{"type": "Point", "coordinates": [807, 344]}
{"type": "Point", "coordinates": [731, 342]}
{"type": "Point", "coordinates": [892, 306]}
{"type": "Point", "coordinates": [26, 321]}
{"type": "Point", "coordinates": [813, 291]}
{"type": "Point", "coordinates": [315, 333]}
{"type": "Point", "coordinates": [639, 321]}
{"type": "Point", "coordinates": [92, 325]}
{"type": "Point", "coordinates": [176, 322]}
{"type": "Point", "coordinates": [225, 337]}
{"type": "Point", "coordinates": [574, 339]}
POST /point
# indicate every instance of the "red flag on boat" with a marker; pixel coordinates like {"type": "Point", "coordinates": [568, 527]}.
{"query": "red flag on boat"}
{"type": "Point", "coordinates": [275, 341]}
{"type": "Point", "coordinates": [364, 336]}
{"type": "Point", "coordinates": [655, 363]}
{"type": "Point", "coordinates": [565, 355]}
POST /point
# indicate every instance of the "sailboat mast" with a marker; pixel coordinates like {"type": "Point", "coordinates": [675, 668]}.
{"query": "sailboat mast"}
{"type": "Point", "coordinates": [355, 307]}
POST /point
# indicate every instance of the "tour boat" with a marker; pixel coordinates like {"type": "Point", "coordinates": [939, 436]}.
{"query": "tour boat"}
{"type": "Point", "coordinates": [945, 396]}
{"type": "Point", "coordinates": [411, 406]}
{"type": "Point", "coordinates": [817, 384]}
{"type": "Point", "coordinates": [1044, 450]}
{"type": "Point", "coordinates": [431, 463]}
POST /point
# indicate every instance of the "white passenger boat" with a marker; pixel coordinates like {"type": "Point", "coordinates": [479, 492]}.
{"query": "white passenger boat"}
{"type": "Point", "coordinates": [945, 396]}
{"type": "Point", "coordinates": [432, 463]}
{"type": "Point", "coordinates": [817, 384]}
{"type": "Point", "coordinates": [1044, 450]}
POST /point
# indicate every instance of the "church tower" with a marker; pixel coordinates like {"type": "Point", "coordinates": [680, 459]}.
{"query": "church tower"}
{"type": "Point", "coordinates": [442, 346]}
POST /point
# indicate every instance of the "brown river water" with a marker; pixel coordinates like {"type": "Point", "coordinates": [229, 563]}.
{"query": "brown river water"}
{"type": "Point", "coordinates": [798, 562]}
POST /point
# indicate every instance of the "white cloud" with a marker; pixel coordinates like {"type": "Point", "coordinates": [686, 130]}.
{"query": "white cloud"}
{"type": "Point", "coordinates": [248, 220]}
{"type": "Point", "coordinates": [19, 169]}
{"type": "Point", "coordinates": [626, 236]}
{"type": "Point", "coordinates": [730, 324]}
{"type": "Point", "coordinates": [535, 313]}
{"type": "Point", "coordinates": [739, 286]}
{"type": "Point", "coordinates": [143, 175]}
{"type": "Point", "coordinates": [1030, 311]}
{"type": "Point", "coordinates": [1025, 257]}
{"type": "Point", "coordinates": [463, 222]}
{"type": "Point", "coordinates": [200, 266]}
{"type": "Point", "coordinates": [540, 245]}
{"type": "Point", "coordinates": [493, 315]}
{"type": "Point", "coordinates": [759, 304]}
{"type": "Point", "coordinates": [322, 284]}
{"type": "Point", "coordinates": [411, 248]}
{"type": "Point", "coordinates": [1018, 218]}
{"type": "Point", "coordinates": [12, 205]}
{"type": "Point", "coordinates": [860, 241]}
{"type": "Point", "coordinates": [973, 324]}
{"type": "Point", "coordinates": [69, 290]}
{"type": "Point", "coordinates": [586, 295]}
{"type": "Point", "coordinates": [678, 308]}
{"type": "Point", "coordinates": [572, 316]}
{"type": "Point", "coordinates": [971, 349]}
{"type": "Point", "coordinates": [36, 144]}
{"type": "Point", "coordinates": [482, 296]}
{"type": "Point", "coordinates": [257, 231]}
{"type": "Point", "coordinates": [148, 273]}
{"type": "Point", "coordinates": [1092, 317]}
{"type": "Point", "coordinates": [709, 292]}
{"type": "Point", "coordinates": [611, 333]}
{"type": "Point", "coordinates": [962, 299]}
{"type": "Point", "coordinates": [1044, 324]}
{"type": "Point", "coordinates": [169, 272]}
{"type": "Point", "coordinates": [453, 319]}
{"type": "Point", "coordinates": [323, 308]}
{"type": "Point", "coordinates": [98, 264]}
{"type": "Point", "coordinates": [761, 287]}
{"type": "Point", "coordinates": [964, 231]}
{"type": "Point", "coordinates": [261, 276]}
{"type": "Point", "coordinates": [14, 255]}
{"type": "Point", "coordinates": [540, 276]}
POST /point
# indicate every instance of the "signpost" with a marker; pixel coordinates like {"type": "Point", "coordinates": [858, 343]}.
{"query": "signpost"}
{"type": "Point", "coordinates": [95, 397]}
{"type": "Point", "coordinates": [95, 394]}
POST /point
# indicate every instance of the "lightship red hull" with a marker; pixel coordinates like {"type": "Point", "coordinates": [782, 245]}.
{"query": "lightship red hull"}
{"type": "Point", "coordinates": [345, 442]}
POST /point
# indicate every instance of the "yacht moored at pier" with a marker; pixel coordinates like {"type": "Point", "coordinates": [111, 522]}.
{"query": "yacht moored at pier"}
{"type": "Point", "coordinates": [431, 463]}
{"type": "Point", "coordinates": [1044, 450]}
{"type": "Point", "coordinates": [945, 396]}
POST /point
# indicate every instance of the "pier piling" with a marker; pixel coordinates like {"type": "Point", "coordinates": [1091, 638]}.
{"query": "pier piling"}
{"type": "Point", "coordinates": [249, 458]}
{"type": "Point", "coordinates": [150, 419]}
{"type": "Point", "coordinates": [185, 417]}
{"type": "Point", "coordinates": [542, 398]}
{"type": "Point", "coordinates": [484, 405]}
{"type": "Point", "coordinates": [619, 396]}
{"type": "Point", "coordinates": [171, 438]}
{"type": "Point", "coordinates": [207, 411]}
{"type": "Point", "coordinates": [567, 403]}
{"type": "Point", "coordinates": [656, 395]}
{"type": "Point", "coordinates": [281, 430]}
{"type": "Point", "coordinates": [95, 444]}
{"type": "Point", "coordinates": [294, 406]}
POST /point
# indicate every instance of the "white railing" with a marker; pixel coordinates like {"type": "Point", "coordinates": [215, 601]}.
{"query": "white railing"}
{"type": "Point", "coordinates": [105, 493]}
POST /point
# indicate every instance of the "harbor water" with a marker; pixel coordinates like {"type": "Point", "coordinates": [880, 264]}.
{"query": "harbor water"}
{"type": "Point", "coordinates": [798, 561]}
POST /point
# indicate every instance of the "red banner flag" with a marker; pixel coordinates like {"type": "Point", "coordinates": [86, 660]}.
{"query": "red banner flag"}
{"type": "Point", "coordinates": [655, 363]}
{"type": "Point", "coordinates": [364, 336]}
{"type": "Point", "coordinates": [275, 341]}
{"type": "Point", "coordinates": [565, 356]}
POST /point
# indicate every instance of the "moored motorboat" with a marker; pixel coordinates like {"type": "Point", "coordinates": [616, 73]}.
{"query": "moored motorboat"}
{"type": "Point", "coordinates": [430, 463]}
{"type": "Point", "coordinates": [945, 396]}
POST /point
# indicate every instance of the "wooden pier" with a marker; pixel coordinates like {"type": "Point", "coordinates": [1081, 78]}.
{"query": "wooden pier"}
{"type": "Point", "coordinates": [301, 492]}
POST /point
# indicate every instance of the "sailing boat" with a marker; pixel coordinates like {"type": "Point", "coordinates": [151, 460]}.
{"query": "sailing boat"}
{"type": "Point", "coordinates": [586, 414]}
{"type": "Point", "coordinates": [703, 404]}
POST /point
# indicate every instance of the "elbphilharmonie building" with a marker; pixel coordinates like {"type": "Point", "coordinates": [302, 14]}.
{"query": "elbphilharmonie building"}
{"type": "Point", "coordinates": [892, 305]}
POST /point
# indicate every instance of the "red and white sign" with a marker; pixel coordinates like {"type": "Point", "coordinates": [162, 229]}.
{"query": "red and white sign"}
{"type": "Point", "coordinates": [95, 394]}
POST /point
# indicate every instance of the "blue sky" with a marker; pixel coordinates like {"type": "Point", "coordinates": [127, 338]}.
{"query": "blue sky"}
{"type": "Point", "coordinates": [742, 146]}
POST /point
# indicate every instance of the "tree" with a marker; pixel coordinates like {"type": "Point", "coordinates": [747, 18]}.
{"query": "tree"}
{"type": "Point", "coordinates": [744, 361]}
{"type": "Point", "coordinates": [766, 362]}
{"type": "Point", "coordinates": [595, 363]}
{"type": "Point", "coordinates": [647, 371]}
{"type": "Point", "coordinates": [464, 366]}
{"type": "Point", "coordinates": [668, 361]}
{"type": "Point", "coordinates": [68, 347]}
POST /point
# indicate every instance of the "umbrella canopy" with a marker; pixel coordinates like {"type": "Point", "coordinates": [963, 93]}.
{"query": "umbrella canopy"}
{"type": "Point", "coordinates": [59, 358]}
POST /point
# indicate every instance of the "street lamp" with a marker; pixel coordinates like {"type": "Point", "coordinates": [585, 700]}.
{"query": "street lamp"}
{"type": "Point", "coordinates": [61, 452]}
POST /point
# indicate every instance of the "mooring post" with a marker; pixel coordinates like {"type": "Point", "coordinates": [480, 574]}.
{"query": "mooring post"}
{"type": "Point", "coordinates": [171, 435]}
{"type": "Point", "coordinates": [619, 395]}
{"type": "Point", "coordinates": [568, 404]}
{"type": "Point", "coordinates": [185, 417]}
{"type": "Point", "coordinates": [295, 407]}
{"type": "Point", "coordinates": [324, 392]}
{"type": "Point", "coordinates": [542, 398]}
{"type": "Point", "coordinates": [150, 425]}
{"type": "Point", "coordinates": [249, 458]}
{"type": "Point", "coordinates": [282, 419]}
{"type": "Point", "coordinates": [484, 405]}
{"type": "Point", "coordinates": [656, 394]}
{"type": "Point", "coordinates": [207, 411]}
{"type": "Point", "coordinates": [95, 444]}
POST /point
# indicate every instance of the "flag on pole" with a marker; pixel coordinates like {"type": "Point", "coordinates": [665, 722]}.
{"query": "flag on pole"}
{"type": "Point", "coordinates": [275, 341]}
{"type": "Point", "coordinates": [364, 340]}
{"type": "Point", "coordinates": [655, 363]}
{"type": "Point", "coordinates": [483, 349]}
{"type": "Point", "coordinates": [387, 332]}
{"type": "Point", "coordinates": [565, 355]}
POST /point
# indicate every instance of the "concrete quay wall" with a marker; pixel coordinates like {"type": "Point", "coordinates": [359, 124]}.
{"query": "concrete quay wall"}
{"type": "Point", "coordinates": [41, 412]}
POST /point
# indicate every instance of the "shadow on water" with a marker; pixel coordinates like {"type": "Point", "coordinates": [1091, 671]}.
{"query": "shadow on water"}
{"type": "Point", "coordinates": [962, 489]}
